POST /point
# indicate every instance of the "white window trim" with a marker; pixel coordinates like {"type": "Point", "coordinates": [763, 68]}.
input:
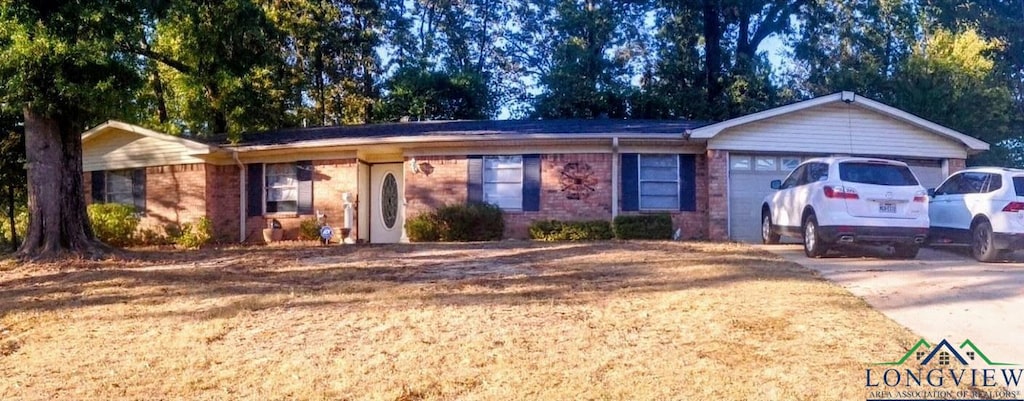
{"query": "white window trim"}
{"type": "Point", "coordinates": [640, 181]}
{"type": "Point", "coordinates": [484, 182]}
{"type": "Point", "coordinates": [265, 188]}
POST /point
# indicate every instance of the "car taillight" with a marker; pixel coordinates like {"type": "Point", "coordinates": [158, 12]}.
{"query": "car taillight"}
{"type": "Point", "coordinates": [840, 192]}
{"type": "Point", "coordinates": [921, 196]}
{"type": "Point", "coordinates": [1014, 207]}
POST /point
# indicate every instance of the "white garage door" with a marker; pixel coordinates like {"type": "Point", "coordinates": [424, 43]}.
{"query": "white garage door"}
{"type": "Point", "coordinates": [750, 178]}
{"type": "Point", "coordinates": [928, 172]}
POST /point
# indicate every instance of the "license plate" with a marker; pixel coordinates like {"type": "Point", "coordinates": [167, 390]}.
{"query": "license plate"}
{"type": "Point", "coordinates": [886, 208]}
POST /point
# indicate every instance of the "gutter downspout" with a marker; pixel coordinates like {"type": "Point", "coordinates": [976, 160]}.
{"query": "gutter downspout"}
{"type": "Point", "coordinates": [615, 177]}
{"type": "Point", "coordinates": [241, 197]}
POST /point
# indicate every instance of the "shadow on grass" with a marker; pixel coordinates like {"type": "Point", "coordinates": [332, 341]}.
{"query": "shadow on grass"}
{"type": "Point", "coordinates": [507, 273]}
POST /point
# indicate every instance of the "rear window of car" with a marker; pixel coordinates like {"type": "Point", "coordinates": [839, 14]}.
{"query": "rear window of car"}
{"type": "Point", "coordinates": [876, 173]}
{"type": "Point", "coordinates": [1018, 185]}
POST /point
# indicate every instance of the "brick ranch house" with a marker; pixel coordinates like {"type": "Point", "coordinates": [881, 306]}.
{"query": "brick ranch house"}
{"type": "Point", "coordinates": [710, 178]}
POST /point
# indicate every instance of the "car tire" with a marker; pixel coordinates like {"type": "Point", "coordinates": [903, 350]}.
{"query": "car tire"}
{"type": "Point", "coordinates": [814, 245]}
{"type": "Point", "coordinates": [983, 245]}
{"type": "Point", "coordinates": [905, 251]}
{"type": "Point", "coordinates": [768, 234]}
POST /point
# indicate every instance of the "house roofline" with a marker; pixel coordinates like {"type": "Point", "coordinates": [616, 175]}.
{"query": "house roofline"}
{"type": "Point", "coordinates": [426, 139]}
{"type": "Point", "coordinates": [973, 145]}
{"type": "Point", "coordinates": [100, 129]}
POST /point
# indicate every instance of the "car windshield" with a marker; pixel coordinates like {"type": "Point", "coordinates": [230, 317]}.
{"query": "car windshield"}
{"type": "Point", "coordinates": [876, 173]}
{"type": "Point", "coordinates": [1018, 185]}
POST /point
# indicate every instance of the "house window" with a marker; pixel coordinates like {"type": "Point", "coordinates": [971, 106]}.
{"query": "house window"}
{"type": "Point", "coordinates": [789, 163]}
{"type": "Point", "coordinates": [281, 192]}
{"type": "Point", "coordinates": [740, 162]}
{"type": "Point", "coordinates": [503, 181]}
{"type": "Point", "coordinates": [764, 163]}
{"type": "Point", "coordinates": [119, 187]}
{"type": "Point", "coordinates": [659, 182]}
{"type": "Point", "coordinates": [127, 187]}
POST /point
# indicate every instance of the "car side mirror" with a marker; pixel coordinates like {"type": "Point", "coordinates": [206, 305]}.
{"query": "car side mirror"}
{"type": "Point", "coordinates": [776, 184]}
{"type": "Point", "coordinates": [931, 192]}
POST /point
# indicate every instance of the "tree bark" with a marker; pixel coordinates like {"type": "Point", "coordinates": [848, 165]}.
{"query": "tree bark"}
{"type": "Point", "coordinates": [158, 91]}
{"type": "Point", "coordinates": [58, 223]}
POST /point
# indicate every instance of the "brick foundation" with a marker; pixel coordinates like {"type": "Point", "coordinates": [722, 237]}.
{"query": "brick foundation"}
{"type": "Point", "coordinates": [717, 167]}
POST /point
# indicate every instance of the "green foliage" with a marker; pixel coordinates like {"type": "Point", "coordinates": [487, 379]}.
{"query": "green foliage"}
{"type": "Point", "coordinates": [195, 235]}
{"type": "Point", "coordinates": [423, 228]}
{"type": "Point", "coordinates": [147, 236]}
{"type": "Point", "coordinates": [644, 226]}
{"type": "Point", "coordinates": [20, 226]}
{"type": "Point", "coordinates": [309, 229]}
{"type": "Point", "coordinates": [421, 94]}
{"type": "Point", "coordinates": [458, 223]}
{"type": "Point", "coordinates": [554, 230]}
{"type": "Point", "coordinates": [113, 223]}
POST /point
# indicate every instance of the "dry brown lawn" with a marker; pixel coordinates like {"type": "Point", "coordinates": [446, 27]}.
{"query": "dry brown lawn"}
{"type": "Point", "coordinates": [503, 321]}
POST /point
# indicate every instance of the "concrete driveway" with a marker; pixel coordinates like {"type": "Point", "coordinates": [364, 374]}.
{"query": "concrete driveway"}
{"type": "Point", "coordinates": [944, 293]}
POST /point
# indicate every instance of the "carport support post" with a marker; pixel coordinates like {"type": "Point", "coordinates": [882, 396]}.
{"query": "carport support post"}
{"type": "Point", "coordinates": [615, 177]}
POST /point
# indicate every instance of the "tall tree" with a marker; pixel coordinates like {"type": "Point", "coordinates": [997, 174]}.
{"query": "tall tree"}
{"type": "Point", "coordinates": [12, 170]}
{"type": "Point", "coordinates": [63, 69]}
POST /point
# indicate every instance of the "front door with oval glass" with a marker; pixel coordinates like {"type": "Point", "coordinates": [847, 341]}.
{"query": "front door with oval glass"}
{"type": "Point", "coordinates": [387, 200]}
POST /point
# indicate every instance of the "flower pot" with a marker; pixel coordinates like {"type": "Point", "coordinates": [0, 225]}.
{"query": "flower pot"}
{"type": "Point", "coordinates": [272, 234]}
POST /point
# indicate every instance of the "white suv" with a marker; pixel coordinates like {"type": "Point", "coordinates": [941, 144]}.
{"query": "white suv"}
{"type": "Point", "coordinates": [848, 200]}
{"type": "Point", "coordinates": [982, 207]}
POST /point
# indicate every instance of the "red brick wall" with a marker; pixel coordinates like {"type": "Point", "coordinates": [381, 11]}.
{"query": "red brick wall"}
{"type": "Point", "coordinates": [441, 180]}
{"type": "Point", "coordinates": [956, 165]}
{"type": "Point", "coordinates": [222, 201]}
{"type": "Point", "coordinates": [175, 194]}
{"type": "Point", "coordinates": [717, 201]}
{"type": "Point", "coordinates": [556, 197]}
{"type": "Point", "coordinates": [330, 179]}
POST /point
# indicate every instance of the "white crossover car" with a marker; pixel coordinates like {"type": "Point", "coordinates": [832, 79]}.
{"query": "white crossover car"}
{"type": "Point", "coordinates": [982, 207]}
{"type": "Point", "coordinates": [829, 201]}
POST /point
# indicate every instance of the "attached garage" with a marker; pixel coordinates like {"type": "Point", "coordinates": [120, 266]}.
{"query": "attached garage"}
{"type": "Point", "coordinates": [766, 146]}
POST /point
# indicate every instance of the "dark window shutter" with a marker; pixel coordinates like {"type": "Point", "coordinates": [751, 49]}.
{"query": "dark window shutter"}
{"type": "Point", "coordinates": [531, 183]}
{"type": "Point", "coordinates": [475, 179]}
{"type": "Point", "coordinates": [254, 190]}
{"type": "Point", "coordinates": [139, 189]}
{"type": "Point", "coordinates": [687, 183]}
{"type": "Point", "coordinates": [99, 186]}
{"type": "Point", "coordinates": [630, 170]}
{"type": "Point", "coordinates": [304, 174]}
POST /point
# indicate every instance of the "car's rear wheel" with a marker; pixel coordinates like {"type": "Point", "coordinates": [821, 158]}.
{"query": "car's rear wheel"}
{"type": "Point", "coordinates": [768, 234]}
{"type": "Point", "coordinates": [983, 246]}
{"type": "Point", "coordinates": [905, 251]}
{"type": "Point", "coordinates": [814, 246]}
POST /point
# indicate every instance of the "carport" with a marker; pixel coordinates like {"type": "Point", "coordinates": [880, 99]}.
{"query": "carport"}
{"type": "Point", "coordinates": [765, 146]}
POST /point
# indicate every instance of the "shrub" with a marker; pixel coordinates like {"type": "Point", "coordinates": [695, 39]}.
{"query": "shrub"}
{"type": "Point", "coordinates": [113, 223]}
{"type": "Point", "coordinates": [645, 226]}
{"type": "Point", "coordinates": [147, 236]}
{"type": "Point", "coordinates": [423, 228]}
{"type": "Point", "coordinates": [554, 230]}
{"type": "Point", "coordinates": [309, 229]}
{"type": "Point", "coordinates": [20, 225]}
{"type": "Point", "coordinates": [458, 223]}
{"type": "Point", "coordinates": [195, 235]}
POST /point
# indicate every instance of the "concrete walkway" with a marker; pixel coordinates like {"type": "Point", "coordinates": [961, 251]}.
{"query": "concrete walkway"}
{"type": "Point", "coordinates": [941, 294]}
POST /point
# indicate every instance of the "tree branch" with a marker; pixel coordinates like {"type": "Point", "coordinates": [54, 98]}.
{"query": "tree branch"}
{"type": "Point", "coordinates": [160, 57]}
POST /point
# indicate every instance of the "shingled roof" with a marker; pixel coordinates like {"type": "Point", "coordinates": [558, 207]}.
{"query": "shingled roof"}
{"type": "Point", "coordinates": [464, 127]}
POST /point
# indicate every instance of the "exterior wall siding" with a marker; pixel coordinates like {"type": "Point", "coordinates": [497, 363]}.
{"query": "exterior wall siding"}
{"type": "Point", "coordinates": [118, 150]}
{"type": "Point", "coordinates": [955, 165]}
{"type": "Point", "coordinates": [175, 195]}
{"type": "Point", "coordinates": [331, 178]}
{"type": "Point", "coordinates": [838, 129]}
{"type": "Point", "coordinates": [561, 198]}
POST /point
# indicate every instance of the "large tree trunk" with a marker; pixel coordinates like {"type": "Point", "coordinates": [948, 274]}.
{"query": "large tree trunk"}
{"type": "Point", "coordinates": [58, 223]}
